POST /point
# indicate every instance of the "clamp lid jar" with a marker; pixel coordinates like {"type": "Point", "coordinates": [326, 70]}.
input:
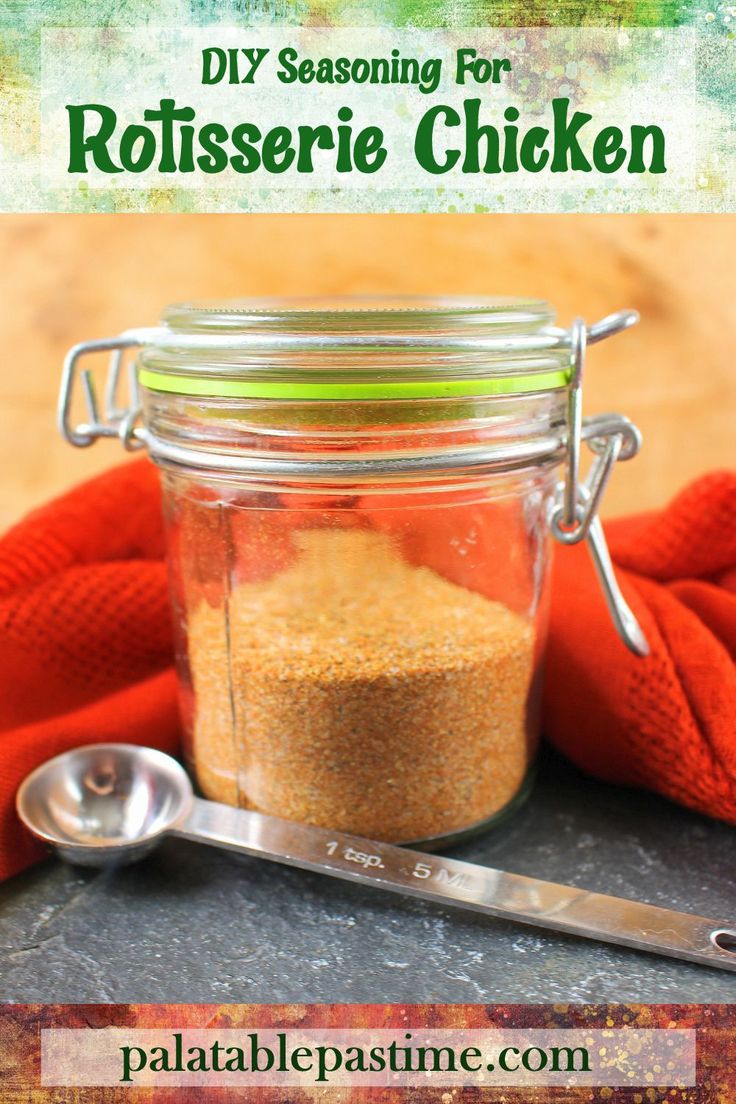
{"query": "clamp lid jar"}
{"type": "Point", "coordinates": [360, 498]}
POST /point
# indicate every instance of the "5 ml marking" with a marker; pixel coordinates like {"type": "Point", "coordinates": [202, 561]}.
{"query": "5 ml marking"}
{"type": "Point", "coordinates": [360, 857]}
{"type": "Point", "coordinates": [441, 874]}
{"type": "Point", "coordinates": [458, 880]}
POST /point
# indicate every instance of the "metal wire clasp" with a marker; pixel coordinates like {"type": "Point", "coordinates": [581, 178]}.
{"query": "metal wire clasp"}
{"type": "Point", "coordinates": [117, 419]}
{"type": "Point", "coordinates": [574, 515]}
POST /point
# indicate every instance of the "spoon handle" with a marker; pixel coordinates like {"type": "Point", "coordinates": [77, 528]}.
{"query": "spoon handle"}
{"type": "Point", "coordinates": [465, 885]}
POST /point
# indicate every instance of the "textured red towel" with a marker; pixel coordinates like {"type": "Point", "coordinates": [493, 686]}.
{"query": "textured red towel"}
{"type": "Point", "coordinates": [85, 638]}
{"type": "Point", "coordinates": [85, 644]}
{"type": "Point", "coordinates": [667, 722]}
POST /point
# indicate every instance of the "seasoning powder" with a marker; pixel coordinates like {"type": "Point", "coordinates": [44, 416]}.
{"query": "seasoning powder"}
{"type": "Point", "coordinates": [360, 692]}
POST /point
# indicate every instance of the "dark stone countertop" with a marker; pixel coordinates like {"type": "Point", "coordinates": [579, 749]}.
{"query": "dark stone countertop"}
{"type": "Point", "coordinates": [190, 924]}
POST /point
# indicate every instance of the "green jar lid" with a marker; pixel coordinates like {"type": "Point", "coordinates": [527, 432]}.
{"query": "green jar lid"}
{"type": "Point", "coordinates": [335, 350]}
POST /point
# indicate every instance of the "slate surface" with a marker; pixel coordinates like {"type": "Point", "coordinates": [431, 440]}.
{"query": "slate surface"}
{"type": "Point", "coordinates": [191, 924]}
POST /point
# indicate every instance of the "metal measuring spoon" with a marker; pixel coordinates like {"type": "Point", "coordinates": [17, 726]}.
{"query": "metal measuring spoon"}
{"type": "Point", "coordinates": [112, 803]}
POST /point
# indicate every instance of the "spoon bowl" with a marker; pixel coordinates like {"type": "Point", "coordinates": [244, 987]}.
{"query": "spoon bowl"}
{"type": "Point", "coordinates": [105, 803]}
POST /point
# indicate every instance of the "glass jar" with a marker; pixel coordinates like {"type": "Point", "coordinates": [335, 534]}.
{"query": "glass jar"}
{"type": "Point", "coordinates": [359, 501]}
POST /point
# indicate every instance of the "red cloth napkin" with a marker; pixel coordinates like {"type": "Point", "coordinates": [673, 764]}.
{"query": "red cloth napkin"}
{"type": "Point", "coordinates": [666, 722]}
{"type": "Point", "coordinates": [86, 649]}
{"type": "Point", "coordinates": [85, 637]}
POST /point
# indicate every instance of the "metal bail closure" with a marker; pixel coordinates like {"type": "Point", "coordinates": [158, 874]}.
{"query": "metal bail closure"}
{"type": "Point", "coordinates": [118, 420]}
{"type": "Point", "coordinates": [574, 517]}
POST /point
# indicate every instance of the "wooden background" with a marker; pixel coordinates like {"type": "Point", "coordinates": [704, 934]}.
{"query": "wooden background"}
{"type": "Point", "coordinates": [67, 278]}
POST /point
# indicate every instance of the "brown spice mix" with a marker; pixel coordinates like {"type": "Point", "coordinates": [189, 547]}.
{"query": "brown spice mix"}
{"type": "Point", "coordinates": [357, 691]}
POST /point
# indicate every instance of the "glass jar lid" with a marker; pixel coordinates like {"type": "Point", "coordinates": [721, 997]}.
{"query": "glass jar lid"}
{"type": "Point", "coordinates": [319, 317]}
{"type": "Point", "coordinates": [349, 348]}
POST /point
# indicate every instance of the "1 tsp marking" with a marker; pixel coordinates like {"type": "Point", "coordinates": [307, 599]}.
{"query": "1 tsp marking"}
{"type": "Point", "coordinates": [351, 855]}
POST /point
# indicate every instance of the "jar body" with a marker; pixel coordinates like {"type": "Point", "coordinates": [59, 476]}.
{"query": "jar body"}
{"type": "Point", "coordinates": [361, 654]}
{"type": "Point", "coordinates": [359, 497]}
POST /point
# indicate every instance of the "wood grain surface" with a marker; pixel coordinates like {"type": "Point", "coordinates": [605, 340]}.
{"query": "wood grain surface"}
{"type": "Point", "coordinates": [66, 278]}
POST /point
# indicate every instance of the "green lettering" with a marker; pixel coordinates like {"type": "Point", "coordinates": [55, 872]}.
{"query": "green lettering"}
{"type": "Point", "coordinates": [197, 1060]}
{"type": "Point", "coordinates": [378, 1059]}
{"type": "Point", "coordinates": [186, 153]}
{"type": "Point", "coordinates": [277, 152]}
{"type": "Point", "coordinates": [329, 1059]}
{"type": "Point", "coordinates": [344, 162]}
{"type": "Point", "coordinates": [299, 1055]}
{"type": "Point", "coordinates": [257, 1052]}
{"type": "Point", "coordinates": [435, 1054]}
{"type": "Point", "coordinates": [215, 1054]}
{"type": "Point", "coordinates": [569, 1054]}
{"type": "Point", "coordinates": [210, 55]}
{"type": "Point", "coordinates": [639, 135]}
{"type": "Point", "coordinates": [211, 139]}
{"type": "Point", "coordinates": [309, 137]}
{"type": "Point", "coordinates": [534, 140]}
{"type": "Point", "coordinates": [235, 1060]}
{"type": "Point", "coordinates": [128, 1068]}
{"type": "Point", "coordinates": [540, 1062]}
{"type": "Point", "coordinates": [511, 136]}
{"type": "Point", "coordinates": [80, 143]}
{"type": "Point", "coordinates": [565, 141]}
{"type": "Point", "coordinates": [248, 159]}
{"type": "Point", "coordinates": [159, 1060]}
{"type": "Point", "coordinates": [369, 152]}
{"type": "Point", "coordinates": [143, 159]}
{"type": "Point", "coordinates": [342, 70]}
{"type": "Point", "coordinates": [466, 1055]}
{"type": "Point", "coordinates": [475, 133]}
{"type": "Point", "coordinates": [167, 114]}
{"type": "Point", "coordinates": [355, 1060]}
{"type": "Point", "coordinates": [424, 140]}
{"type": "Point", "coordinates": [289, 72]}
{"type": "Point", "coordinates": [254, 57]}
{"type": "Point", "coordinates": [608, 154]}
{"type": "Point", "coordinates": [465, 62]}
